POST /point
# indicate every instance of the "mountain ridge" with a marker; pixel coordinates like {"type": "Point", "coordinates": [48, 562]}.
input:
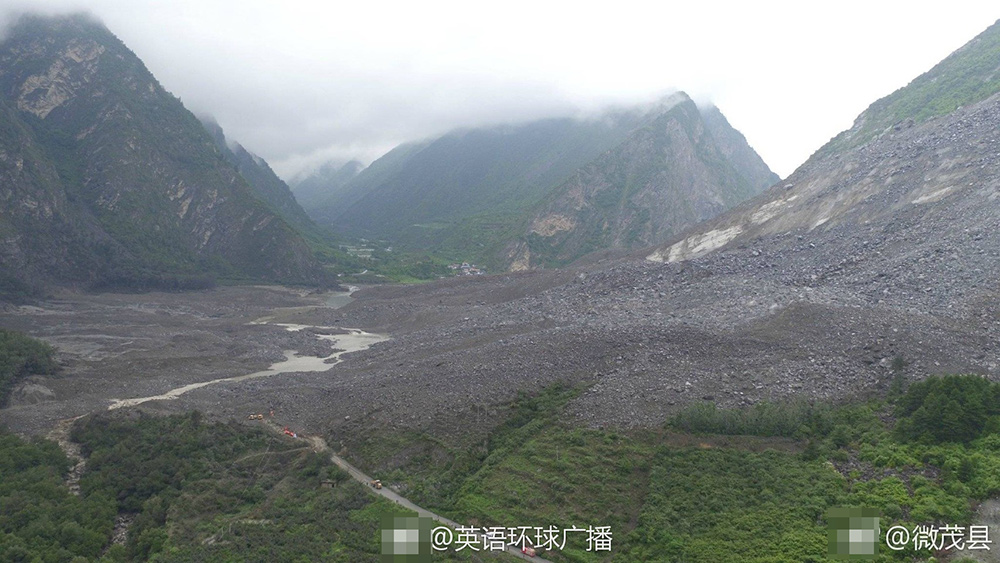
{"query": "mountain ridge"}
{"type": "Point", "coordinates": [325, 182]}
{"type": "Point", "coordinates": [850, 179]}
{"type": "Point", "coordinates": [144, 196]}
{"type": "Point", "coordinates": [474, 193]}
{"type": "Point", "coordinates": [966, 76]}
{"type": "Point", "coordinates": [268, 187]}
{"type": "Point", "coordinates": [667, 175]}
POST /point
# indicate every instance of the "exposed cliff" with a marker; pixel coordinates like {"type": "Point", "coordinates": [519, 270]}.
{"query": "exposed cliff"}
{"type": "Point", "coordinates": [681, 167]}
{"type": "Point", "coordinates": [110, 181]}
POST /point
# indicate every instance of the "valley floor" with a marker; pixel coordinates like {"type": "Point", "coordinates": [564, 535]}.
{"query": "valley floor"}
{"type": "Point", "coordinates": [441, 408]}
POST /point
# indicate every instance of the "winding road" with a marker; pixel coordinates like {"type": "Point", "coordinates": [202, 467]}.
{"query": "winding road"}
{"type": "Point", "coordinates": [320, 445]}
{"type": "Point", "coordinates": [354, 340]}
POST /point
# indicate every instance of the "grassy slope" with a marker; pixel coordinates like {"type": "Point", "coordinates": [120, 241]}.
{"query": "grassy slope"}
{"type": "Point", "coordinates": [967, 76]}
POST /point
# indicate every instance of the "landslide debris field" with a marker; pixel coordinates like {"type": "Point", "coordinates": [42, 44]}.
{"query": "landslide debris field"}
{"type": "Point", "coordinates": [767, 320]}
{"type": "Point", "coordinates": [901, 282]}
{"type": "Point", "coordinates": [872, 261]}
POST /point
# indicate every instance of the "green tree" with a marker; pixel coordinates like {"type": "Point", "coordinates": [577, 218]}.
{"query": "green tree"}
{"type": "Point", "coordinates": [947, 409]}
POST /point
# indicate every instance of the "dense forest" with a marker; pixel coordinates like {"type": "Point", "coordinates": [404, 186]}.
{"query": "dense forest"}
{"type": "Point", "coordinates": [189, 490]}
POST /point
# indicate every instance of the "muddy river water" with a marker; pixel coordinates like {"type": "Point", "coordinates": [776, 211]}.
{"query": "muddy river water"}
{"type": "Point", "coordinates": [353, 340]}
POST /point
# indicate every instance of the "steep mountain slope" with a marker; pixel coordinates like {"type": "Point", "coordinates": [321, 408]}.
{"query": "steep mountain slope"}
{"type": "Point", "coordinates": [735, 149]}
{"type": "Point", "coordinates": [469, 172]}
{"type": "Point", "coordinates": [922, 174]}
{"type": "Point", "coordinates": [38, 218]}
{"type": "Point", "coordinates": [869, 266]}
{"type": "Point", "coordinates": [968, 75]}
{"type": "Point", "coordinates": [475, 194]}
{"type": "Point", "coordinates": [267, 186]}
{"type": "Point", "coordinates": [676, 170]}
{"type": "Point", "coordinates": [325, 183]}
{"type": "Point", "coordinates": [124, 185]}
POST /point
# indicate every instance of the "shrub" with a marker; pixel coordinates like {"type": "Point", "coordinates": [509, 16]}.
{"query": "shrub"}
{"type": "Point", "coordinates": [20, 356]}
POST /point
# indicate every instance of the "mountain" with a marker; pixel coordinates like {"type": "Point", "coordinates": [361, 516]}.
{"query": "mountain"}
{"type": "Point", "coordinates": [325, 183]}
{"type": "Point", "coordinates": [475, 193]}
{"type": "Point", "coordinates": [967, 76]}
{"type": "Point", "coordinates": [681, 167]}
{"type": "Point", "coordinates": [110, 182]}
{"type": "Point", "coordinates": [267, 186]}
{"type": "Point", "coordinates": [436, 184]}
{"type": "Point", "coordinates": [917, 168]}
{"type": "Point", "coordinates": [871, 267]}
{"type": "Point", "coordinates": [39, 219]}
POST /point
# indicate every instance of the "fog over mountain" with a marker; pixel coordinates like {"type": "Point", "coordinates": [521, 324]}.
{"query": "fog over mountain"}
{"type": "Point", "coordinates": [627, 326]}
{"type": "Point", "coordinates": [303, 83]}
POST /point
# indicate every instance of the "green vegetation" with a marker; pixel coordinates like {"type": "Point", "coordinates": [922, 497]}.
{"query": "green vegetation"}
{"type": "Point", "coordinates": [21, 356]}
{"type": "Point", "coordinates": [965, 77]}
{"type": "Point", "coordinates": [409, 267]}
{"type": "Point", "coordinates": [949, 409]}
{"type": "Point", "coordinates": [727, 505]}
{"type": "Point", "coordinates": [40, 520]}
{"type": "Point", "coordinates": [714, 484]}
{"type": "Point", "coordinates": [383, 266]}
{"type": "Point", "coordinates": [16, 290]}
{"type": "Point", "coordinates": [478, 239]}
{"type": "Point", "coordinates": [433, 472]}
{"type": "Point", "coordinates": [790, 420]}
{"type": "Point", "coordinates": [195, 492]}
{"type": "Point", "coordinates": [403, 264]}
{"type": "Point", "coordinates": [221, 492]}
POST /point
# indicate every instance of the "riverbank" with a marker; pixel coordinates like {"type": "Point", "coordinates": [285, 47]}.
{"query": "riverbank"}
{"type": "Point", "coordinates": [126, 346]}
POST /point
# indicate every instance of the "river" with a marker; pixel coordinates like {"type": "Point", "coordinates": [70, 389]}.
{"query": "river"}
{"type": "Point", "coordinates": [354, 340]}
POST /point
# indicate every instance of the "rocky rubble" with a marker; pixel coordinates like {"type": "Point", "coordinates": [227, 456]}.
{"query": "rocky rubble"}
{"type": "Point", "coordinates": [904, 267]}
{"type": "Point", "coordinates": [902, 273]}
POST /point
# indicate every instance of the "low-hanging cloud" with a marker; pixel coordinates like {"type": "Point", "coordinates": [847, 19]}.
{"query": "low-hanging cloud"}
{"type": "Point", "coordinates": [300, 82]}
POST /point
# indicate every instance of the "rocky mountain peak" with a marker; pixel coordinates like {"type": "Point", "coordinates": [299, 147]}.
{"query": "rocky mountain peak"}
{"type": "Point", "coordinates": [682, 165]}
{"type": "Point", "coordinates": [135, 191]}
{"type": "Point", "coordinates": [918, 152]}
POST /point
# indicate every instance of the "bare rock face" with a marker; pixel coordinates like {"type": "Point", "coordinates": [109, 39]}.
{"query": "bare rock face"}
{"type": "Point", "coordinates": [682, 167]}
{"type": "Point", "coordinates": [73, 67]}
{"type": "Point", "coordinates": [107, 177]}
{"type": "Point", "coordinates": [545, 193]}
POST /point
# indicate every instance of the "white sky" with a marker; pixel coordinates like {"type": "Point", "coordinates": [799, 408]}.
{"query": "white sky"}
{"type": "Point", "coordinates": [299, 82]}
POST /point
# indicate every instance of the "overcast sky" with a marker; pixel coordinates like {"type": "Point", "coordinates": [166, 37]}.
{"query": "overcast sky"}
{"type": "Point", "coordinates": [301, 82]}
